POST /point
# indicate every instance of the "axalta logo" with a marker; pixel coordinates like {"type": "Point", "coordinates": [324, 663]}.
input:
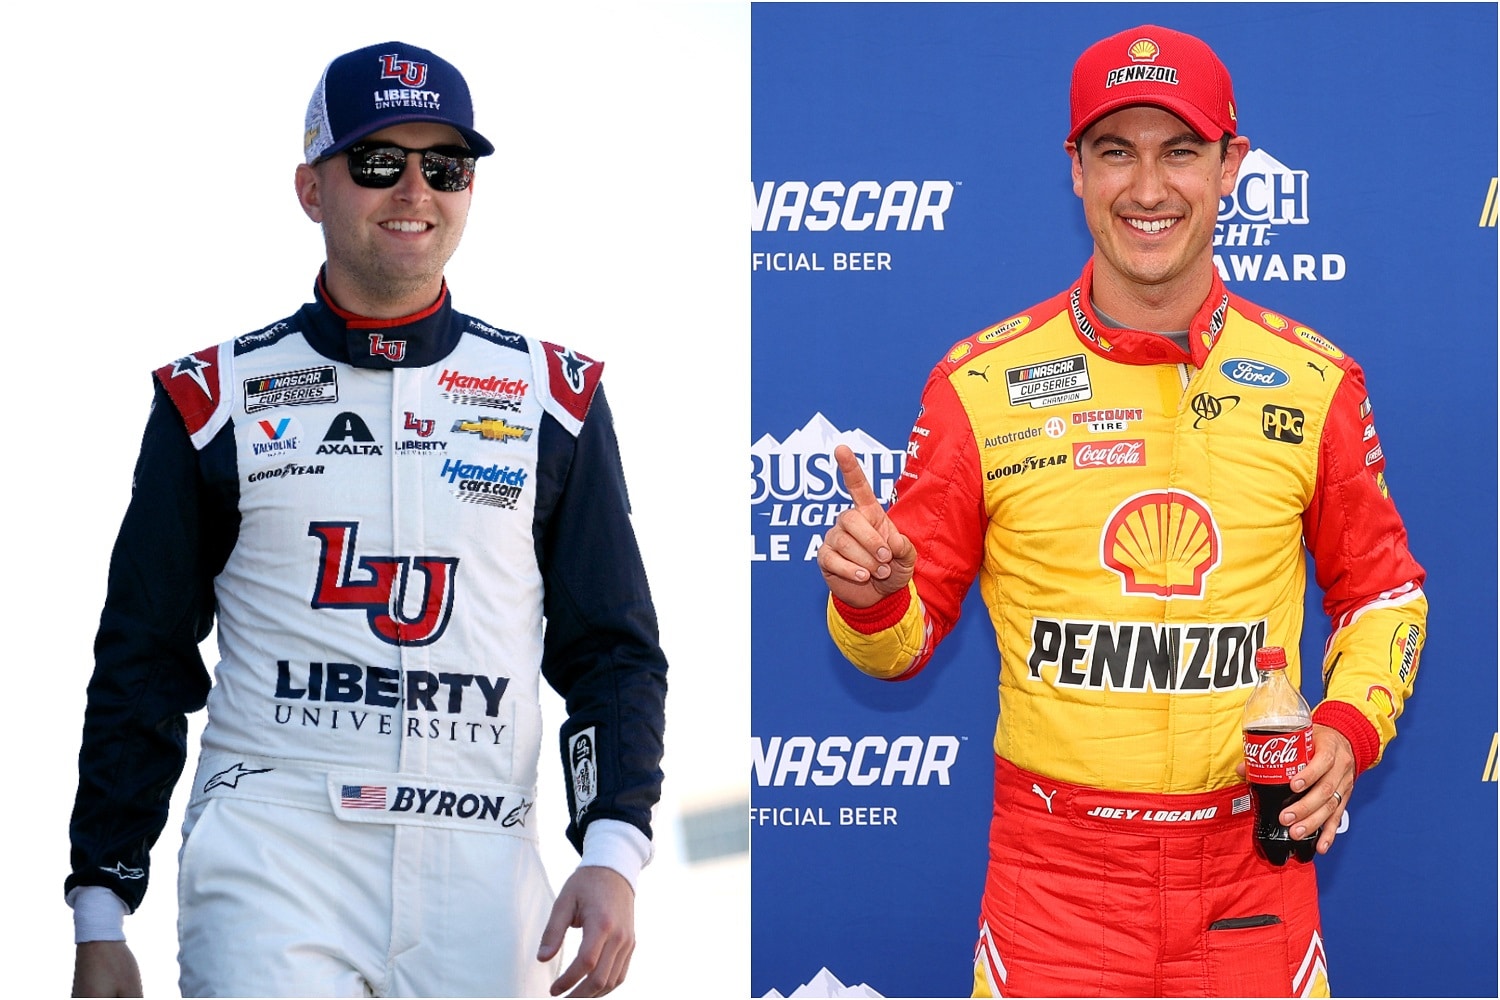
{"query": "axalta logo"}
{"type": "Point", "coordinates": [795, 485]}
{"type": "Point", "coordinates": [1268, 194]}
{"type": "Point", "coordinates": [778, 761]}
{"type": "Point", "coordinates": [1162, 544]}
{"type": "Point", "coordinates": [855, 207]}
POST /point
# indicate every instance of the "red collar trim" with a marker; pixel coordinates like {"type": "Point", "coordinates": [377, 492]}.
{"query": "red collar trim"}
{"type": "Point", "coordinates": [1139, 347]}
{"type": "Point", "coordinates": [354, 321]}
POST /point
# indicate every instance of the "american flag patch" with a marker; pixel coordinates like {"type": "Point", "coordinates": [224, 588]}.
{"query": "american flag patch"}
{"type": "Point", "coordinates": [362, 797]}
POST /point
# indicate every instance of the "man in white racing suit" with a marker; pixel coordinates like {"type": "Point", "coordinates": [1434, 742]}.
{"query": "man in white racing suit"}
{"type": "Point", "coordinates": [402, 519]}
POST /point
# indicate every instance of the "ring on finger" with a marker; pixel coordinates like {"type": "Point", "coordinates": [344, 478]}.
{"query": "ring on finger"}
{"type": "Point", "coordinates": [1338, 797]}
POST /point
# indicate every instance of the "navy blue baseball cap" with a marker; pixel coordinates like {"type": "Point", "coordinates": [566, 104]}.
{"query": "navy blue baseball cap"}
{"type": "Point", "coordinates": [378, 86]}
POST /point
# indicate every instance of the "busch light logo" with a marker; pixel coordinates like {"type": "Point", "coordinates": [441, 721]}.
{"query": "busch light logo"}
{"type": "Point", "coordinates": [382, 586]}
{"type": "Point", "coordinates": [1267, 194]}
{"type": "Point", "coordinates": [795, 484]}
{"type": "Point", "coordinates": [408, 73]}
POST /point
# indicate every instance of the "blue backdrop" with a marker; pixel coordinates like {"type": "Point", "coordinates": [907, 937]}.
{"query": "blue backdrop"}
{"type": "Point", "coordinates": [1375, 127]}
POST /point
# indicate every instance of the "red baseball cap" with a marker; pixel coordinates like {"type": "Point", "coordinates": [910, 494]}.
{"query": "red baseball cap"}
{"type": "Point", "coordinates": [1156, 66]}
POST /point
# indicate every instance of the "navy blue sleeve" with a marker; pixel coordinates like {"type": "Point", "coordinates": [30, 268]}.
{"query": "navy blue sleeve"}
{"type": "Point", "coordinates": [601, 650]}
{"type": "Point", "coordinates": [147, 671]}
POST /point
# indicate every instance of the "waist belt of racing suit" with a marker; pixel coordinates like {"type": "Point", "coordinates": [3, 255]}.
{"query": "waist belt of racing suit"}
{"type": "Point", "coordinates": [367, 796]}
{"type": "Point", "coordinates": [1146, 813]}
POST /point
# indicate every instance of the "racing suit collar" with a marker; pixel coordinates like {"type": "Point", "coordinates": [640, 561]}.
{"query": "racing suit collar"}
{"type": "Point", "coordinates": [414, 341]}
{"type": "Point", "coordinates": [1139, 347]}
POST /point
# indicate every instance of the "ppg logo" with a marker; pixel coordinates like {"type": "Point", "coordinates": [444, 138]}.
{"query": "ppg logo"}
{"type": "Point", "coordinates": [1281, 423]}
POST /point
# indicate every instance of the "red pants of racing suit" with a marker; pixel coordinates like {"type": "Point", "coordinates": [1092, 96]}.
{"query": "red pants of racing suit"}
{"type": "Point", "coordinates": [1099, 893]}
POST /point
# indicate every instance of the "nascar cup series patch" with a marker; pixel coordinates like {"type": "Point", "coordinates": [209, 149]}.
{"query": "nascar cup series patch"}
{"type": "Point", "coordinates": [1050, 383]}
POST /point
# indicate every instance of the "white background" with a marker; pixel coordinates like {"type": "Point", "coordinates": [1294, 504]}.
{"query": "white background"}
{"type": "Point", "coordinates": [150, 212]}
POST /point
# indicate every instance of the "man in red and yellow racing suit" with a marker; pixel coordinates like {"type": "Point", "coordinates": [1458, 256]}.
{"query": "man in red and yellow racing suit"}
{"type": "Point", "coordinates": [1135, 507]}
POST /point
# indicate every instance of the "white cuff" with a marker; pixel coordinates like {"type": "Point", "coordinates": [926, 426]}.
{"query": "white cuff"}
{"type": "Point", "coordinates": [618, 846]}
{"type": "Point", "coordinates": [98, 914]}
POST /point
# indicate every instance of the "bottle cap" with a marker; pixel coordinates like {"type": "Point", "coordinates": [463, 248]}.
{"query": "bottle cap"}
{"type": "Point", "coordinates": [1270, 658]}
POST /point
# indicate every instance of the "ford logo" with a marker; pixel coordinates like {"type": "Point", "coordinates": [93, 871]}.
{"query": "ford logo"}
{"type": "Point", "coordinates": [1256, 373]}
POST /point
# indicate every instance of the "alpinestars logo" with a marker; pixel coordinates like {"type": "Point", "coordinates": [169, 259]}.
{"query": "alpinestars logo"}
{"type": "Point", "coordinates": [381, 586]}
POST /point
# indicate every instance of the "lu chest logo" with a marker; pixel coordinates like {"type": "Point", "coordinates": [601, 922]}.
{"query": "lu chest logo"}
{"type": "Point", "coordinates": [380, 586]}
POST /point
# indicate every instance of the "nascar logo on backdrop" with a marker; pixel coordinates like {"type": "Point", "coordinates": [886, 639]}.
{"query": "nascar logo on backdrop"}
{"type": "Point", "coordinates": [796, 492]}
{"type": "Point", "coordinates": [862, 207]}
{"type": "Point", "coordinates": [1267, 195]}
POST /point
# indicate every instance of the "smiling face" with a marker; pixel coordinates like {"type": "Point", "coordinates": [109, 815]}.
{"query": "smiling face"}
{"type": "Point", "coordinates": [1151, 188]}
{"type": "Point", "coordinates": [387, 247]}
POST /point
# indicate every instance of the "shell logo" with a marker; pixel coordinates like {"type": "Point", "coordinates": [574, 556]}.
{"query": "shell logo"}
{"type": "Point", "coordinates": [960, 352]}
{"type": "Point", "coordinates": [1272, 320]}
{"type": "Point", "coordinates": [1381, 698]}
{"type": "Point", "coordinates": [1144, 50]}
{"type": "Point", "coordinates": [1317, 343]}
{"type": "Point", "coordinates": [1162, 544]}
{"type": "Point", "coordinates": [1004, 331]}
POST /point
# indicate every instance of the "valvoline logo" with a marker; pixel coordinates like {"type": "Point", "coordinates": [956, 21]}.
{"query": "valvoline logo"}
{"type": "Point", "coordinates": [1243, 371]}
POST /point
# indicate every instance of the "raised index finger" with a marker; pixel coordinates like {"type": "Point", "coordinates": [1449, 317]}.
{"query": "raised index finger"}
{"type": "Point", "coordinates": [858, 485]}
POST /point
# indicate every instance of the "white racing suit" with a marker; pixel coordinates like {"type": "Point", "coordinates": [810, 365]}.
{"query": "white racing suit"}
{"type": "Point", "coordinates": [380, 515]}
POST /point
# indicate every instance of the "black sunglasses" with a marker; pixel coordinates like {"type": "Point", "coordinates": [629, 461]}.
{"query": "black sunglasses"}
{"type": "Point", "coordinates": [380, 165]}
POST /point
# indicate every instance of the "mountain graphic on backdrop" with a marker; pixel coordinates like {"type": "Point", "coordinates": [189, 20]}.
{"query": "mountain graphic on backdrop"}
{"type": "Point", "coordinates": [818, 435]}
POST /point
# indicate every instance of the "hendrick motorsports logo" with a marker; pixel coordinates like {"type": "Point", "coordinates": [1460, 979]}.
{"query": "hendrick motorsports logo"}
{"type": "Point", "coordinates": [1267, 197]}
{"type": "Point", "coordinates": [796, 491]}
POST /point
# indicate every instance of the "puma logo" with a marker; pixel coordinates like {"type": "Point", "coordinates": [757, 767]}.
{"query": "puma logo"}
{"type": "Point", "coordinates": [1045, 797]}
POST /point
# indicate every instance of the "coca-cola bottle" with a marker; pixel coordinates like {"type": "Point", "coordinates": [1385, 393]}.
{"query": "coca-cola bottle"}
{"type": "Point", "coordinates": [1278, 744]}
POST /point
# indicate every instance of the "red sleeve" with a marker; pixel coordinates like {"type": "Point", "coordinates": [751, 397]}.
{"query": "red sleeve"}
{"type": "Point", "coordinates": [940, 507]}
{"type": "Point", "coordinates": [1351, 526]}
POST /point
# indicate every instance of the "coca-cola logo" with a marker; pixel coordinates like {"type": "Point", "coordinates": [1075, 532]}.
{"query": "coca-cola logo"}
{"type": "Point", "coordinates": [1109, 454]}
{"type": "Point", "coordinates": [1276, 757]}
{"type": "Point", "coordinates": [1275, 752]}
